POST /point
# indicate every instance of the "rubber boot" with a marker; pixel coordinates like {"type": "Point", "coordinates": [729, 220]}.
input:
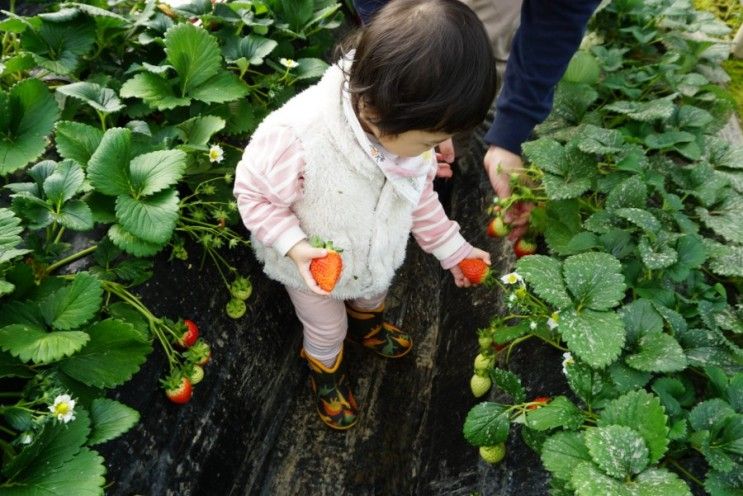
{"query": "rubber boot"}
{"type": "Point", "coordinates": [368, 328]}
{"type": "Point", "coordinates": [333, 397]}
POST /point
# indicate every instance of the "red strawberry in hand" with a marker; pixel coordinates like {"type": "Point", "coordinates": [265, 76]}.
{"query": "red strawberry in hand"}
{"type": "Point", "coordinates": [524, 247]}
{"type": "Point", "coordinates": [475, 270]}
{"type": "Point", "coordinates": [190, 335]}
{"type": "Point", "coordinates": [326, 270]}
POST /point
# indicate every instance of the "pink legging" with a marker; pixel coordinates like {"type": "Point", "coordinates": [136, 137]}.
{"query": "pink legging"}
{"type": "Point", "coordinates": [325, 322]}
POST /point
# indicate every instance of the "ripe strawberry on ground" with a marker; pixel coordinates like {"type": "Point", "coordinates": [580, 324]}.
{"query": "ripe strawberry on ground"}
{"type": "Point", "coordinates": [497, 228]}
{"type": "Point", "coordinates": [326, 270]}
{"type": "Point", "coordinates": [480, 385]}
{"type": "Point", "coordinates": [475, 270]}
{"type": "Point", "coordinates": [190, 334]}
{"type": "Point", "coordinates": [524, 247]}
{"type": "Point", "coordinates": [493, 454]}
{"type": "Point", "coordinates": [178, 388]}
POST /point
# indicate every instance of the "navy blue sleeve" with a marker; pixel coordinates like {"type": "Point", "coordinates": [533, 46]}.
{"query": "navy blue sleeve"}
{"type": "Point", "coordinates": [549, 34]}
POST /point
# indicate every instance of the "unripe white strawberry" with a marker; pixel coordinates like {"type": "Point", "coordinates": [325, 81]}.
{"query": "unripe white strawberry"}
{"type": "Point", "coordinates": [483, 362]}
{"type": "Point", "coordinates": [493, 454]}
{"type": "Point", "coordinates": [480, 385]}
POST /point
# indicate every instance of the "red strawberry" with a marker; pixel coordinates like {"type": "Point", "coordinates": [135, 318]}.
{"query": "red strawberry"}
{"type": "Point", "coordinates": [190, 335]}
{"type": "Point", "coordinates": [178, 389]}
{"type": "Point", "coordinates": [539, 401]}
{"type": "Point", "coordinates": [326, 270]}
{"type": "Point", "coordinates": [475, 270]}
{"type": "Point", "coordinates": [524, 247]}
{"type": "Point", "coordinates": [497, 228]}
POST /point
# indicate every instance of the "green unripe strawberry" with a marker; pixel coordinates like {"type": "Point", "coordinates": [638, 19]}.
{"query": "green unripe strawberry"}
{"type": "Point", "coordinates": [236, 308]}
{"type": "Point", "coordinates": [493, 454]}
{"type": "Point", "coordinates": [485, 342]}
{"type": "Point", "coordinates": [241, 288]}
{"type": "Point", "coordinates": [196, 374]}
{"type": "Point", "coordinates": [480, 385]}
{"type": "Point", "coordinates": [483, 362]}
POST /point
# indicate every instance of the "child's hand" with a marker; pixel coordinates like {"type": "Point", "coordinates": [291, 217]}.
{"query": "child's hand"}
{"type": "Point", "coordinates": [456, 272]}
{"type": "Point", "coordinates": [302, 254]}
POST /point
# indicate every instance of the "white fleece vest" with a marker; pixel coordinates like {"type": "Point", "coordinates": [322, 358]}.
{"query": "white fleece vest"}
{"type": "Point", "coordinates": [346, 197]}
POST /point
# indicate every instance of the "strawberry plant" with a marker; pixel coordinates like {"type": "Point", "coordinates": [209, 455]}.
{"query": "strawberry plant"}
{"type": "Point", "coordinates": [121, 127]}
{"type": "Point", "coordinates": [640, 286]}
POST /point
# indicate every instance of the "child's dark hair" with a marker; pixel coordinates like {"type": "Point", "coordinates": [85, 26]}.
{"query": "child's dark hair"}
{"type": "Point", "coordinates": [424, 65]}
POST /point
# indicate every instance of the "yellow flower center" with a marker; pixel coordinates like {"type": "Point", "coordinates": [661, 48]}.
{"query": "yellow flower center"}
{"type": "Point", "coordinates": [62, 409]}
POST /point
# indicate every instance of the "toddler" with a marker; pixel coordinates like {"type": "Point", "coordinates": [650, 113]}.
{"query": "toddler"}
{"type": "Point", "coordinates": [351, 160]}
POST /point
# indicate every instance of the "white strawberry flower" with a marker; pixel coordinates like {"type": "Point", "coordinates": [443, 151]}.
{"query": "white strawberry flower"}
{"type": "Point", "coordinates": [216, 154]}
{"type": "Point", "coordinates": [532, 325]}
{"type": "Point", "coordinates": [63, 408]}
{"type": "Point", "coordinates": [512, 278]}
{"type": "Point", "coordinates": [567, 360]}
{"type": "Point", "coordinates": [26, 438]}
{"type": "Point", "coordinates": [552, 322]}
{"type": "Point", "coordinates": [288, 63]}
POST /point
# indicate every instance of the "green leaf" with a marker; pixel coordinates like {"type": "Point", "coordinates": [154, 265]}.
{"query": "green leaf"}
{"type": "Point", "coordinates": [659, 481]}
{"type": "Point", "coordinates": [54, 47]}
{"type": "Point", "coordinates": [640, 318]}
{"type": "Point", "coordinates": [156, 91]}
{"type": "Point", "coordinates": [626, 379]}
{"type": "Point", "coordinates": [508, 382]}
{"type": "Point", "coordinates": [630, 193]}
{"type": "Point", "coordinates": [595, 280]}
{"type": "Point", "coordinates": [114, 353]}
{"type": "Point", "coordinates": [99, 97]}
{"type": "Point", "coordinates": [668, 139]}
{"type": "Point", "coordinates": [108, 168]}
{"type": "Point", "coordinates": [38, 346]}
{"type": "Point", "coordinates": [12, 367]}
{"type": "Point", "coordinates": [199, 130]}
{"type": "Point", "coordinates": [658, 352]}
{"type": "Point", "coordinates": [710, 414]}
{"type": "Point", "coordinates": [83, 475]}
{"type": "Point", "coordinates": [222, 87]}
{"type": "Point", "coordinates": [54, 446]}
{"type": "Point", "coordinates": [76, 215]}
{"type": "Point", "coordinates": [9, 236]}
{"type": "Point", "coordinates": [583, 68]}
{"type": "Point", "coordinates": [643, 412]}
{"type": "Point", "coordinates": [155, 171]}
{"type": "Point", "coordinates": [544, 275]}
{"type": "Point", "coordinates": [253, 48]}
{"type": "Point", "coordinates": [73, 305]}
{"type": "Point", "coordinates": [725, 260]}
{"type": "Point", "coordinates": [486, 424]}
{"type": "Point", "coordinates": [110, 419]}
{"type": "Point", "coordinates": [588, 480]}
{"type": "Point", "coordinates": [619, 450]}
{"type": "Point", "coordinates": [644, 111]}
{"type": "Point", "coordinates": [64, 182]}
{"type": "Point", "coordinates": [562, 452]}
{"type": "Point", "coordinates": [595, 337]}
{"type": "Point", "coordinates": [598, 140]}
{"type": "Point", "coordinates": [27, 115]}
{"type": "Point", "coordinates": [310, 68]}
{"type": "Point", "coordinates": [656, 257]}
{"type": "Point", "coordinates": [131, 243]}
{"type": "Point", "coordinates": [194, 54]}
{"type": "Point", "coordinates": [77, 141]}
{"type": "Point", "coordinates": [641, 218]}
{"type": "Point", "coordinates": [152, 218]}
{"type": "Point", "coordinates": [725, 220]}
{"type": "Point", "coordinates": [559, 412]}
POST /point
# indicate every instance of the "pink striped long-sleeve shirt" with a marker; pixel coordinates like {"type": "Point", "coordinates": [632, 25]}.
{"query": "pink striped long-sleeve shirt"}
{"type": "Point", "coordinates": [268, 180]}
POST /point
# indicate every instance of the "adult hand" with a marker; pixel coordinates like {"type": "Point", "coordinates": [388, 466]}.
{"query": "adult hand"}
{"type": "Point", "coordinates": [458, 275]}
{"type": "Point", "coordinates": [499, 165]}
{"type": "Point", "coordinates": [444, 157]}
{"type": "Point", "coordinates": [302, 254]}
